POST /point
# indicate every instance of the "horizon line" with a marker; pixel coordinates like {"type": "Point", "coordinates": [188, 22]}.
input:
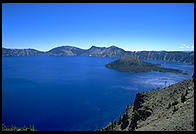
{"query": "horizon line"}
{"type": "Point", "coordinates": [101, 47]}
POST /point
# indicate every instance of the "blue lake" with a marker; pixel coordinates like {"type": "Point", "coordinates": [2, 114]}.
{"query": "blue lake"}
{"type": "Point", "coordinates": [73, 93]}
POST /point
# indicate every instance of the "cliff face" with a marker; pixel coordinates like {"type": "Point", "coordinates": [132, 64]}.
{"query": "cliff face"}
{"type": "Point", "coordinates": [65, 51]}
{"type": "Point", "coordinates": [174, 56]}
{"type": "Point", "coordinates": [21, 52]}
{"type": "Point", "coordinates": [170, 108]}
{"type": "Point", "coordinates": [112, 51]}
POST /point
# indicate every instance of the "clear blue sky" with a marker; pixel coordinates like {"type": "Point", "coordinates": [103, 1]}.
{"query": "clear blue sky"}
{"type": "Point", "coordinates": [131, 26]}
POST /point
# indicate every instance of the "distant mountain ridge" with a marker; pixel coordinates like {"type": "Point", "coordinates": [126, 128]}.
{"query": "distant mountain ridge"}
{"type": "Point", "coordinates": [173, 56]}
{"type": "Point", "coordinates": [21, 52]}
{"type": "Point", "coordinates": [65, 51]}
{"type": "Point", "coordinates": [111, 52]}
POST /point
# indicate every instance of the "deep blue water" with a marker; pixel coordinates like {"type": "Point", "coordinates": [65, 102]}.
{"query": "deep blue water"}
{"type": "Point", "coordinates": [72, 93]}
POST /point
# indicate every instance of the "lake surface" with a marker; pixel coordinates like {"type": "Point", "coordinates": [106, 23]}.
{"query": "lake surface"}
{"type": "Point", "coordinates": [73, 93]}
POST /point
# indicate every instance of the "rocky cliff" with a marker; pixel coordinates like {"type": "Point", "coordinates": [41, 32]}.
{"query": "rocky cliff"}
{"type": "Point", "coordinates": [167, 109]}
{"type": "Point", "coordinates": [112, 51]}
{"type": "Point", "coordinates": [172, 56]}
{"type": "Point", "coordinates": [65, 51]}
{"type": "Point", "coordinates": [21, 52]}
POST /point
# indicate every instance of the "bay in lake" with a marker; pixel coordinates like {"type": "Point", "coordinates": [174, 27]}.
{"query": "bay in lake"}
{"type": "Point", "coordinates": [73, 93]}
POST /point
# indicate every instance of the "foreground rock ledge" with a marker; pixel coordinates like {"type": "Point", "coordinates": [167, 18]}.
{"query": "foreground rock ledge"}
{"type": "Point", "coordinates": [167, 109]}
{"type": "Point", "coordinates": [14, 128]}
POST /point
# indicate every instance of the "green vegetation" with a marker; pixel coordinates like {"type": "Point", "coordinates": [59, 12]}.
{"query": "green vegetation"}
{"type": "Point", "coordinates": [159, 110]}
{"type": "Point", "coordinates": [175, 109]}
{"type": "Point", "coordinates": [133, 64]}
{"type": "Point", "coordinates": [183, 98]}
{"type": "Point", "coordinates": [169, 105]}
{"type": "Point", "coordinates": [136, 115]}
{"type": "Point", "coordinates": [189, 97]}
{"type": "Point", "coordinates": [146, 107]}
{"type": "Point", "coordinates": [174, 103]}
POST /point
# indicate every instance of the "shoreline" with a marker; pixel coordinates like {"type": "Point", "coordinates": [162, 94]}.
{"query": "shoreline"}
{"type": "Point", "coordinates": [163, 109]}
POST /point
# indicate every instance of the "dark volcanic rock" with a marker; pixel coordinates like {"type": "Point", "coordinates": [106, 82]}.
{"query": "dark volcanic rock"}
{"type": "Point", "coordinates": [139, 100]}
{"type": "Point", "coordinates": [134, 64]}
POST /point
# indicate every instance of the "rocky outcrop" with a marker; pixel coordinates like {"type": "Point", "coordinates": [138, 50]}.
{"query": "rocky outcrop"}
{"type": "Point", "coordinates": [169, 109]}
{"type": "Point", "coordinates": [13, 128]}
{"type": "Point", "coordinates": [135, 65]}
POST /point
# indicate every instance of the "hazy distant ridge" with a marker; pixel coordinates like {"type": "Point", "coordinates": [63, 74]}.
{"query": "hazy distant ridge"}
{"type": "Point", "coordinates": [112, 52]}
